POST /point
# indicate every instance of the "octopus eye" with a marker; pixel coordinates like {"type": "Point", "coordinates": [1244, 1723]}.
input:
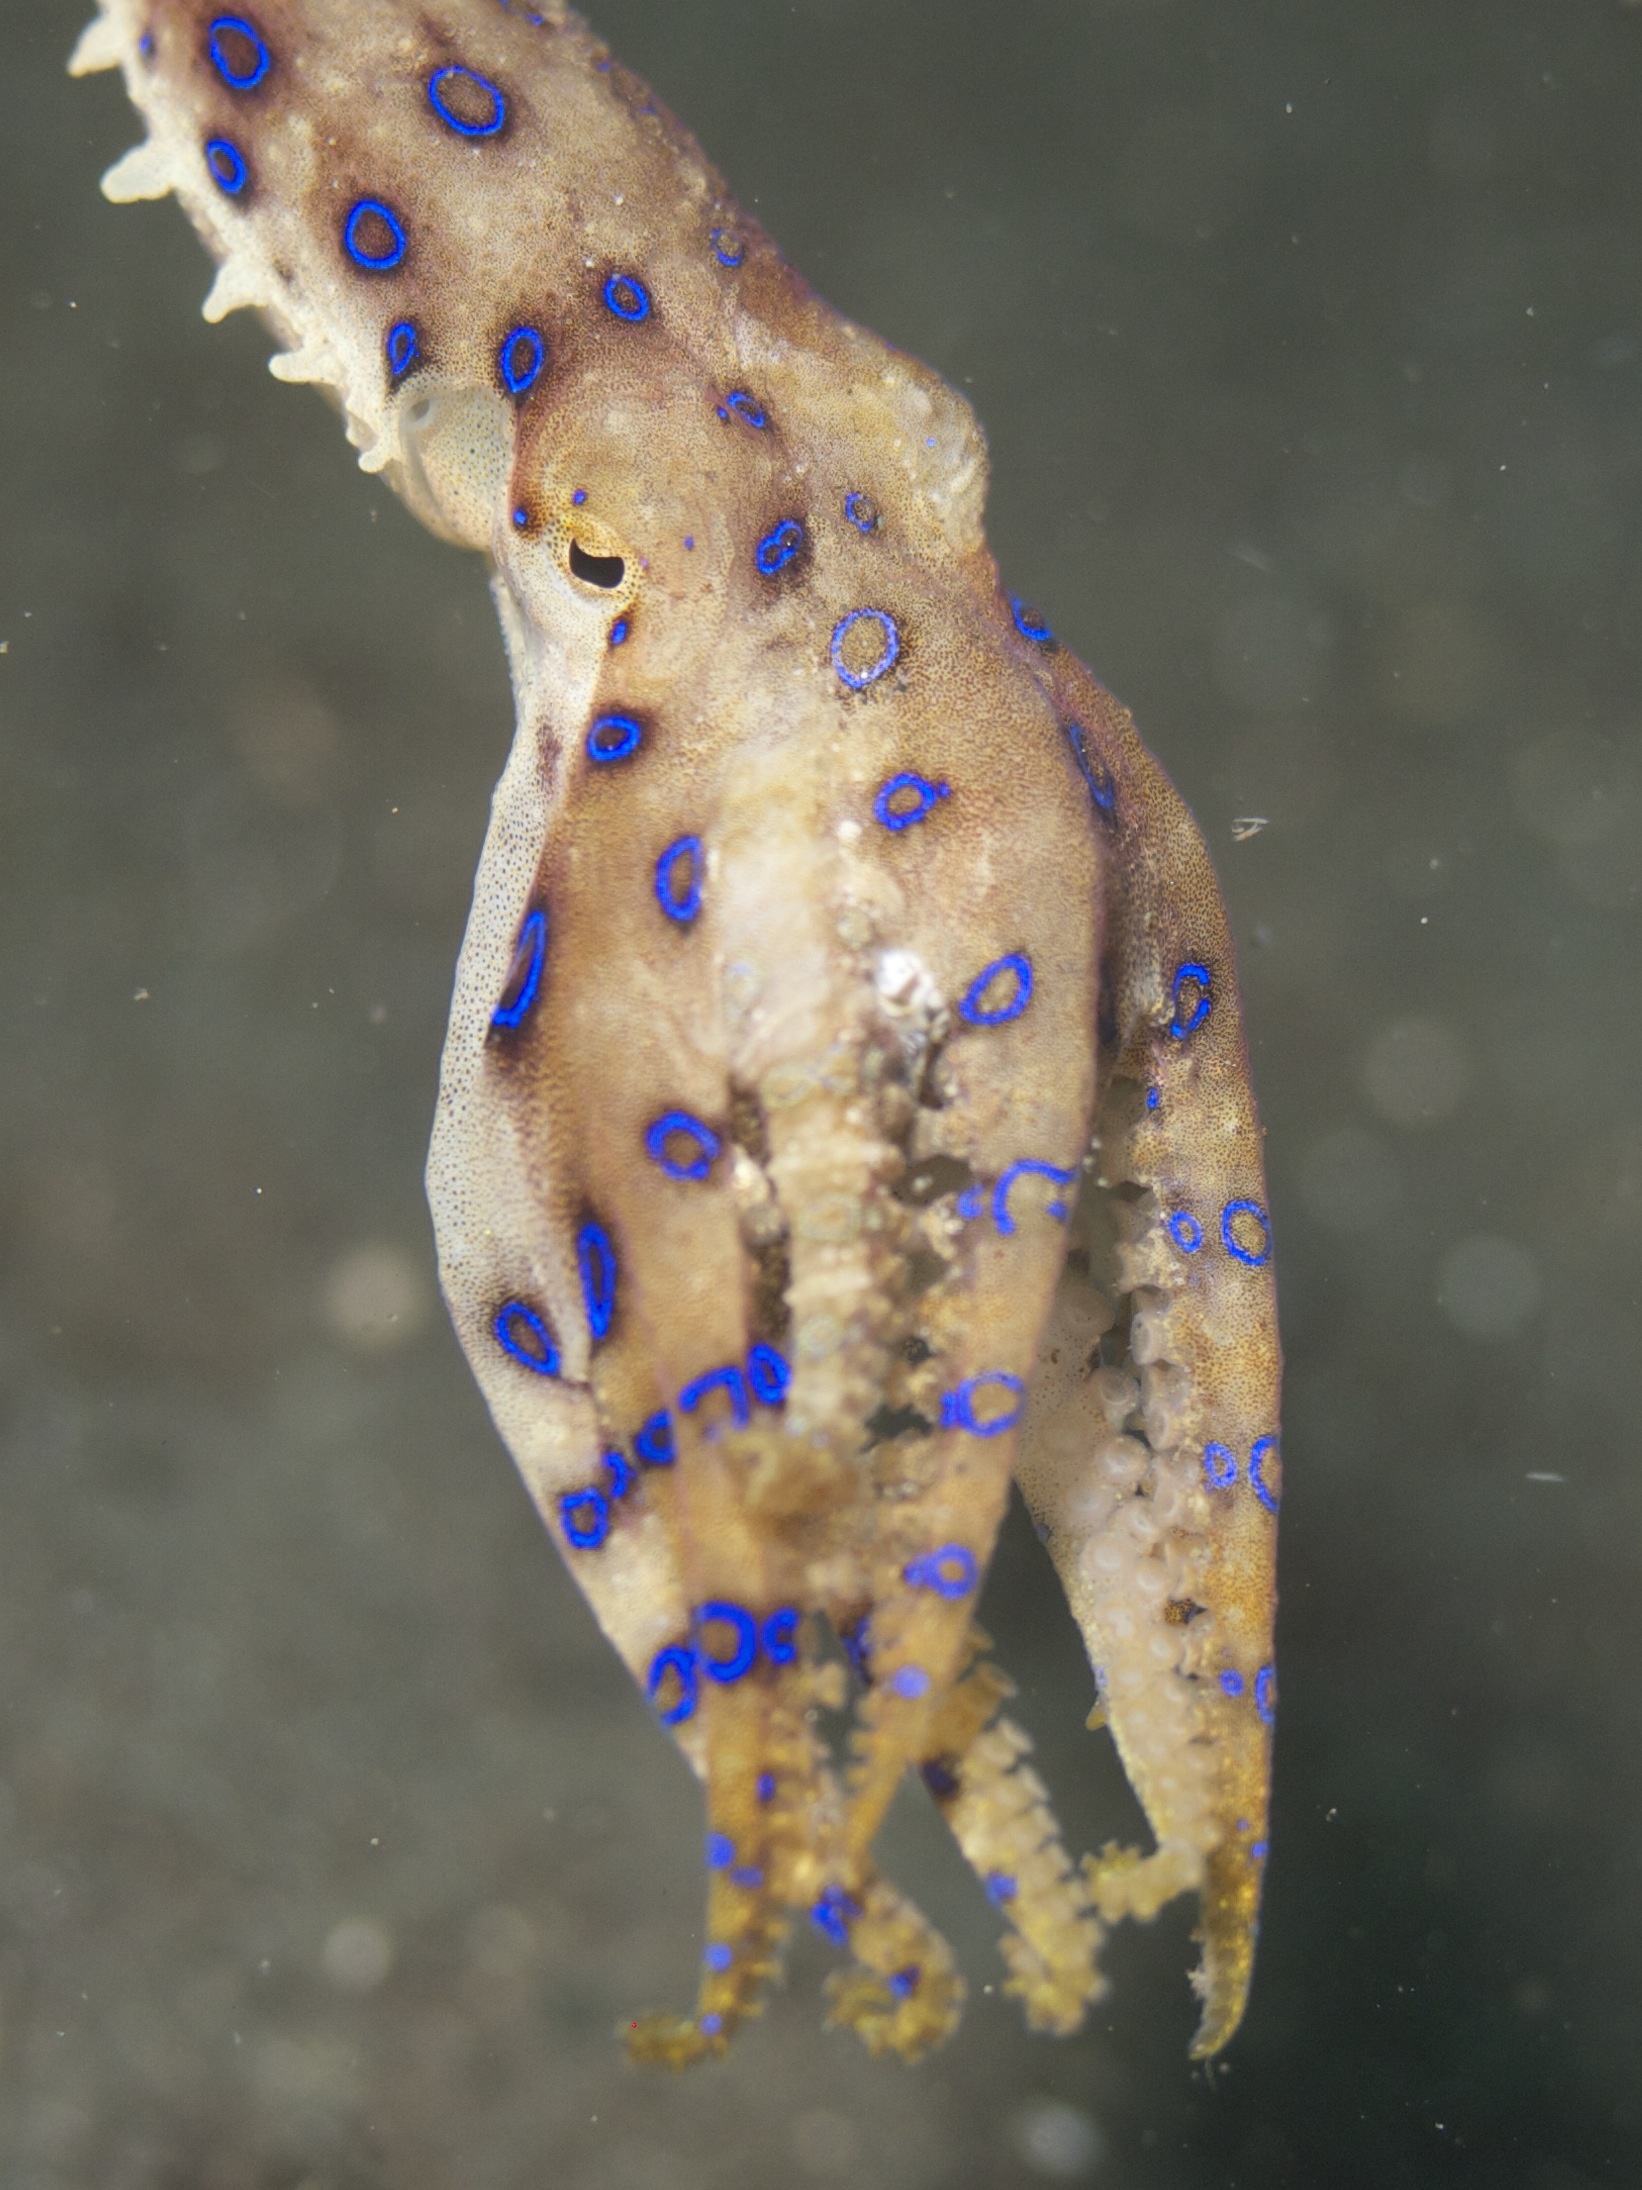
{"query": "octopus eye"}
{"type": "Point", "coordinates": [596, 570]}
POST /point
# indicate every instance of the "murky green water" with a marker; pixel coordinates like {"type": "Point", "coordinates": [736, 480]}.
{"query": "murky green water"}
{"type": "Point", "coordinates": [332, 1841]}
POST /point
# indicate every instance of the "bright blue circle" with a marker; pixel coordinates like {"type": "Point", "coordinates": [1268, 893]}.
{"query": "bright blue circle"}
{"type": "Point", "coordinates": [226, 163]}
{"type": "Point", "coordinates": [720, 1851]}
{"type": "Point", "coordinates": [1257, 1460]}
{"type": "Point", "coordinates": [621, 1472]}
{"type": "Point", "coordinates": [614, 737]}
{"type": "Point", "coordinates": [1186, 1232]}
{"type": "Point", "coordinates": [681, 905]}
{"type": "Point", "coordinates": [778, 547]}
{"type": "Point", "coordinates": [833, 1914]}
{"type": "Point", "coordinates": [781, 1636]}
{"type": "Point", "coordinates": [731, 1382]}
{"type": "Point", "coordinates": [925, 796]}
{"type": "Point", "coordinates": [1231, 1682]}
{"type": "Point", "coordinates": [717, 1956]}
{"type": "Point", "coordinates": [958, 1408]}
{"type": "Point", "coordinates": [746, 407]}
{"type": "Point", "coordinates": [719, 1613]}
{"type": "Point", "coordinates": [858, 682]}
{"type": "Point", "coordinates": [524, 976]}
{"type": "Point", "coordinates": [402, 347]}
{"type": "Point", "coordinates": [653, 1440]}
{"type": "Point", "coordinates": [909, 1682]}
{"type": "Point", "coordinates": [950, 1572]}
{"type": "Point", "coordinates": [1203, 981]}
{"type": "Point", "coordinates": [619, 630]}
{"type": "Point", "coordinates": [703, 1136]}
{"type": "Point", "coordinates": [382, 262]}
{"type": "Point", "coordinates": [1246, 1209]}
{"type": "Point", "coordinates": [452, 120]}
{"type": "Point", "coordinates": [519, 359]}
{"type": "Point", "coordinates": [1001, 1887]}
{"type": "Point", "coordinates": [261, 59]}
{"type": "Point", "coordinates": [973, 1009]}
{"type": "Point", "coordinates": [728, 248]}
{"type": "Point", "coordinates": [596, 1261]}
{"type": "Point", "coordinates": [586, 1517]}
{"type": "Point", "coordinates": [768, 1374]}
{"type": "Point", "coordinates": [682, 1661]}
{"type": "Point", "coordinates": [521, 1332]}
{"type": "Point", "coordinates": [1265, 1699]}
{"type": "Point", "coordinates": [627, 297]}
{"type": "Point", "coordinates": [1029, 623]}
{"type": "Point", "coordinates": [862, 511]}
{"type": "Point", "coordinates": [1219, 1466]}
{"type": "Point", "coordinates": [1029, 1167]}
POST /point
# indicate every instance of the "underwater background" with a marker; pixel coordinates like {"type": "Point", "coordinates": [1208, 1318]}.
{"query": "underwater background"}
{"type": "Point", "coordinates": [334, 1843]}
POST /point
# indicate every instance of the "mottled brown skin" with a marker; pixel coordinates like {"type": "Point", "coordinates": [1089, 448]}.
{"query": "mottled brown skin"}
{"type": "Point", "coordinates": [860, 1241]}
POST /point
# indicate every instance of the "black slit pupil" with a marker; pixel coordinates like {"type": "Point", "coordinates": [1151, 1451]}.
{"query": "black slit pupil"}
{"type": "Point", "coordinates": [596, 570]}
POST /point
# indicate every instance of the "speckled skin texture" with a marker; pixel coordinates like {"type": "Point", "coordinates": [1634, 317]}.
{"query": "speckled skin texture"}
{"type": "Point", "coordinates": [835, 943]}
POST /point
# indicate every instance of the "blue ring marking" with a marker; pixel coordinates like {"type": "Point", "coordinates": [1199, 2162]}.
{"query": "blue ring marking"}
{"type": "Point", "coordinates": [1186, 1232]}
{"type": "Point", "coordinates": [653, 1440]}
{"type": "Point", "coordinates": [833, 1914]}
{"type": "Point", "coordinates": [926, 796]}
{"type": "Point", "coordinates": [1255, 1260]}
{"type": "Point", "coordinates": [1153, 1098]}
{"type": "Point", "coordinates": [1028, 1168]}
{"type": "Point", "coordinates": [1203, 981]}
{"type": "Point", "coordinates": [374, 262]}
{"type": "Point", "coordinates": [1231, 1682]}
{"type": "Point", "coordinates": [1029, 623]}
{"type": "Point", "coordinates": [729, 1380]}
{"type": "Point", "coordinates": [586, 1517]}
{"type": "Point", "coordinates": [747, 408]}
{"type": "Point", "coordinates": [1219, 1466]}
{"type": "Point", "coordinates": [622, 1476]}
{"type": "Point", "coordinates": [1258, 1850]}
{"type": "Point", "coordinates": [579, 497]}
{"type": "Point", "coordinates": [679, 1659]}
{"type": "Point", "coordinates": [728, 248]}
{"type": "Point", "coordinates": [910, 1682]}
{"type": "Point", "coordinates": [958, 1408]}
{"type": "Point", "coordinates": [904, 1982]}
{"type": "Point", "coordinates": [972, 1007]}
{"type": "Point", "coordinates": [862, 511]}
{"type": "Point", "coordinates": [950, 1572]}
{"type": "Point", "coordinates": [614, 737]}
{"type": "Point", "coordinates": [886, 660]}
{"type": "Point", "coordinates": [1001, 1888]}
{"type": "Point", "coordinates": [705, 1139]}
{"type": "Point", "coordinates": [719, 1613]}
{"type": "Point", "coordinates": [970, 1203]}
{"type": "Point", "coordinates": [402, 347]}
{"type": "Point", "coordinates": [627, 297]}
{"type": "Point", "coordinates": [453, 120]}
{"type": "Point", "coordinates": [524, 975]}
{"type": "Point", "coordinates": [1258, 1454]}
{"type": "Point", "coordinates": [681, 906]}
{"type": "Point", "coordinates": [764, 1787]}
{"type": "Point", "coordinates": [710, 2025]}
{"type": "Point", "coordinates": [778, 547]}
{"type": "Point", "coordinates": [718, 1956]}
{"type": "Point", "coordinates": [520, 356]}
{"type": "Point", "coordinates": [520, 1331]}
{"type": "Point", "coordinates": [619, 630]}
{"type": "Point", "coordinates": [1099, 778]}
{"type": "Point", "coordinates": [261, 59]}
{"type": "Point", "coordinates": [521, 518]}
{"type": "Point", "coordinates": [748, 1876]}
{"type": "Point", "coordinates": [1265, 1699]}
{"type": "Point", "coordinates": [226, 164]}
{"type": "Point", "coordinates": [781, 1636]}
{"type": "Point", "coordinates": [596, 1261]}
{"type": "Point", "coordinates": [769, 1374]}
